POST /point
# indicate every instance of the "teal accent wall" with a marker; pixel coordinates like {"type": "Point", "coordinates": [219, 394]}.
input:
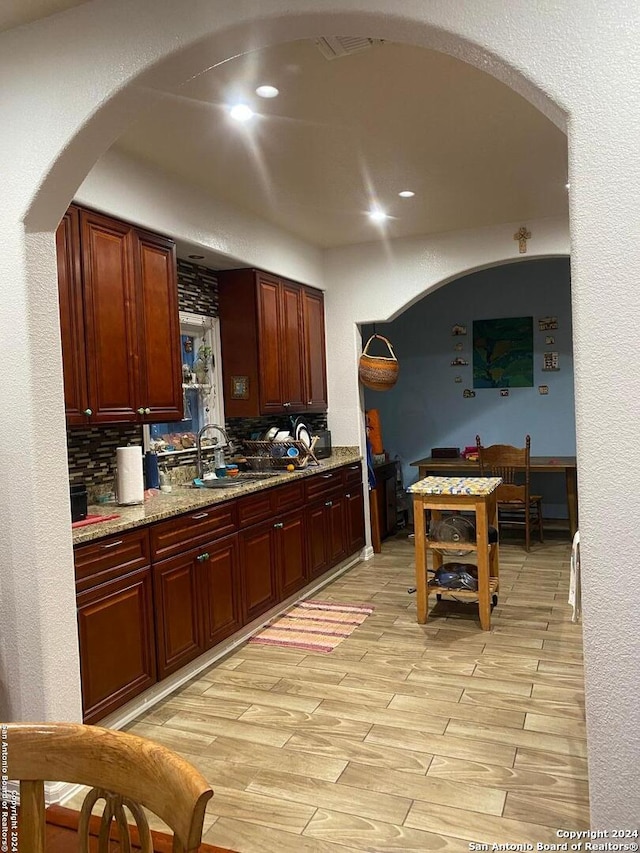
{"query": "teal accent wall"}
{"type": "Point", "coordinates": [426, 408]}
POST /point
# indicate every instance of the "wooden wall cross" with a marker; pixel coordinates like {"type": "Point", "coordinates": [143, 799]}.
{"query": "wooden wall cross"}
{"type": "Point", "coordinates": [522, 235]}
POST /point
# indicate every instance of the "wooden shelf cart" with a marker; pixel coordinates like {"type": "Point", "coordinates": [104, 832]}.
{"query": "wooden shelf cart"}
{"type": "Point", "coordinates": [454, 494]}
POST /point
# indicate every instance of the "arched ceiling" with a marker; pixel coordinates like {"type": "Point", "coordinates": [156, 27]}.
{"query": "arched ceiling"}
{"type": "Point", "coordinates": [352, 131]}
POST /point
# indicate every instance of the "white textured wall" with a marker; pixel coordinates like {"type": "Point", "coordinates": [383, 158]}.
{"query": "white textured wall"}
{"type": "Point", "coordinates": [70, 82]}
{"type": "Point", "coordinates": [136, 192]}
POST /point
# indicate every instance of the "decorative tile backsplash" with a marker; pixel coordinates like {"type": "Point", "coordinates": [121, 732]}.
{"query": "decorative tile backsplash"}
{"type": "Point", "coordinates": [197, 289]}
{"type": "Point", "coordinates": [92, 454]}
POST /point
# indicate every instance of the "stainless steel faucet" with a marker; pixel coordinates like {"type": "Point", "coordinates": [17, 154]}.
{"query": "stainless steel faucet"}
{"type": "Point", "coordinates": [205, 428]}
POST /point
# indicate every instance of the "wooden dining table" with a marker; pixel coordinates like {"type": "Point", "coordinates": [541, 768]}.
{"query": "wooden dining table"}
{"type": "Point", "coordinates": [538, 465]}
{"type": "Point", "coordinates": [62, 835]}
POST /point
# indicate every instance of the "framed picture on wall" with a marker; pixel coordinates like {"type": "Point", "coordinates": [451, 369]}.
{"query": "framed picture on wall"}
{"type": "Point", "coordinates": [503, 353]}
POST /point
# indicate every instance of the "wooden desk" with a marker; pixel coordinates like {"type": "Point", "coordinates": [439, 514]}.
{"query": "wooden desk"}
{"type": "Point", "coordinates": [443, 493]}
{"type": "Point", "coordinates": [62, 835]}
{"type": "Point", "coordinates": [538, 465]}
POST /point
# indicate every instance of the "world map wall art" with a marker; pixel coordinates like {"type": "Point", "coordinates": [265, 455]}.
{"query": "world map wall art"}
{"type": "Point", "coordinates": [503, 353]}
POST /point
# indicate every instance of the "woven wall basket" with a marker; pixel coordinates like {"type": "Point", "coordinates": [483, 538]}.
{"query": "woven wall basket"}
{"type": "Point", "coordinates": [379, 373]}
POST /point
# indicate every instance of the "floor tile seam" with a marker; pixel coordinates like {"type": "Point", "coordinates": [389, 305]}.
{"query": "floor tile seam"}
{"type": "Point", "coordinates": [365, 792]}
{"type": "Point", "coordinates": [475, 786]}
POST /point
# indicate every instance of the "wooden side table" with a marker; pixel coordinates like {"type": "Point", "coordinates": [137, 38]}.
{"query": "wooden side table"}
{"type": "Point", "coordinates": [471, 494]}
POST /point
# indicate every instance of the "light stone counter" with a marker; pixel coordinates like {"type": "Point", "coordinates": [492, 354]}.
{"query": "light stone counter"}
{"type": "Point", "coordinates": [185, 499]}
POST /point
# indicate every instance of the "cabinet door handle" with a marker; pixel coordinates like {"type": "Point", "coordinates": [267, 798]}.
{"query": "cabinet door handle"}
{"type": "Point", "coordinates": [354, 467]}
{"type": "Point", "coordinates": [328, 503]}
{"type": "Point", "coordinates": [327, 476]}
{"type": "Point", "coordinates": [112, 544]}
{"type": "Point", "coordinates": [88, 412]}
{"type": "Point", "coordinates": [141, 411]}
{"type": "Point", "coordinates": [200, 515]}
{"type": "Point", "coordinates": [286, 405]}
{"type": "Point", "coordinates": [202, 557]}
{"type": "Point", "coordinates": [309, 402]}
{"type": "Point", "coordinates": [147, 411]}
{"type": "Point", "coordinates": [348, 495]}
{"type": "Point", "coordinates": [279, 525]}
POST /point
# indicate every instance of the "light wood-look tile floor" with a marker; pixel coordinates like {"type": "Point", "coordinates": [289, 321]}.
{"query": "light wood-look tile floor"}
{"type": "Point", "coordinates": [406, 737]}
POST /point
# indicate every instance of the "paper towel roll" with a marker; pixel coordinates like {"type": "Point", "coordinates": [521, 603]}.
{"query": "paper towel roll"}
{"type": "Point", "coordinates": [130, 483]}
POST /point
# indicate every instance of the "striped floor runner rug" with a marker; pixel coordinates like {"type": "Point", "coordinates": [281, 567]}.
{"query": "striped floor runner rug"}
{"type": "Point", "coordinates": [314, 626]}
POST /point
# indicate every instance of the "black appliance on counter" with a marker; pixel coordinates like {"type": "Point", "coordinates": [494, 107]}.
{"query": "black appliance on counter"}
{"type": "Point", "coordinates": [78, 496]}
{"type": "Point", "coordinates": [322, 448]}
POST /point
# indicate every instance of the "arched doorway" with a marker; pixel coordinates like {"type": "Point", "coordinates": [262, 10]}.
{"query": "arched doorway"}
{"type": "Point", "coordinates": [54, 140]}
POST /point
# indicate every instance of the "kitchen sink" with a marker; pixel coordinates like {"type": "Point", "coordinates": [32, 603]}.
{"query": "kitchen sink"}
{"type": "Point", "coordinates": [245, 478]}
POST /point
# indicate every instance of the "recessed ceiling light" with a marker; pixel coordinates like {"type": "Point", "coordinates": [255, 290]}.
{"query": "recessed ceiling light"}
{"type": "Point", "coordinates": [241, 112]}
{"type": "Point", "coordinates": [267, 92]}
{"type": "Point", "coordinates": [378, 215]}
{"type": "Point", "coordinates": [406, 194]}
{"type": "Point", "coordinates": [196, 257]}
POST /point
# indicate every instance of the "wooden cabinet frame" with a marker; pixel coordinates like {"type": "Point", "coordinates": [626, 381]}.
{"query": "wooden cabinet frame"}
{"type": "Point", "coordinates": [119, 321]}
{"type": "Point", "coordinates": [273, 340]}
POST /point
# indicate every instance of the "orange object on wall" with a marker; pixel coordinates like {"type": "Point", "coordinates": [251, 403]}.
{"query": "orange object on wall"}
{"type": "Point", "coordinates": [374, 431]}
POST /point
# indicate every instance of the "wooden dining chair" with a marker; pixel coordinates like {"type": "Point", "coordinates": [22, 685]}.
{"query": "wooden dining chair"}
{"type": "Point", "coordinates": [517, 507]}
{"type": "Point", "coordinates": [122, 769]}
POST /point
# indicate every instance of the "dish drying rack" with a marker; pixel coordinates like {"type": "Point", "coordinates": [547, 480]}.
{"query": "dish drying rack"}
{"type": "Point", "coordinates": [260, 455]}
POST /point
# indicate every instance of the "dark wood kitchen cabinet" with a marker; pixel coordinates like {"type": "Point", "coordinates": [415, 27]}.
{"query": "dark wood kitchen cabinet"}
{"type": "Point", "coordinates": [116, 636]}
{"type": "Point", "coordinates": [326, 537]}
{"type": "Point", "coordinates": [114, 600]}
{"type": "Point", "coordinates": [176, 598]}
{"type": "Point", "coordinates": [221, 594]}
{"type": "Point", "coordinates": [74, 357]}
{"type": "Point", "coordinates": [197, 602]}
{"type": "Point", "coordinates": [152, 599]}
{"type": "Point", "coordinates": [258, 561]}
{"type": "Point", "coordinates": [273, 342]}
{"type": "Point", "coordinates": [119, 321]}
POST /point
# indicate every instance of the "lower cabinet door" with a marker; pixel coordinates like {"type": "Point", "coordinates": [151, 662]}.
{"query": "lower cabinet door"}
{"type": "Point", "coordinates": [336, 529]}
{"type": "Point", "coordinates": [354, 511]}
{"type": "Point", "coordinates": [291, 553]}
{"type": "Point", "coordinates": [117, 654]}
{"type": "Point", "coordinates": [179, 635]}
{"type": "Point", "coordinates": [317, 550]}
{"type": "Point", "coordinates": [258, 562]}
{"type": "Point", "coordinates": [220, 590]}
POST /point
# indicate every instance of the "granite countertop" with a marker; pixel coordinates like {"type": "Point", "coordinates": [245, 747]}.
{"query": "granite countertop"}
{"type": "Point", "coordinates": [185, 499]}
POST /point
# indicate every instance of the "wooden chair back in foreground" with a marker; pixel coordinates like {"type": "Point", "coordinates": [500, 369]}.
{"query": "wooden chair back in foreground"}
{"type": "Point", "coordinates": [516, 505]}
{"type": "Point", "coordinates": [123, 769]}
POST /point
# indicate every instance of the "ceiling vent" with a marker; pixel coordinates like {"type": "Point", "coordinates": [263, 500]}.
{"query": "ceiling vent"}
{"type": "Point", "coordinates": [333, 47]}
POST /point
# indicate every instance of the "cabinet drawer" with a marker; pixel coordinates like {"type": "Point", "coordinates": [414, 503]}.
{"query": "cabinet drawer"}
{"type": "Point", "coordinates": [352, 474]}
{"type": "Point", "coordinates": [288, 497]}
{"type": "Point", "coordinates": [320, 484]}
{"type": "Point", "coordinates": [169, 538]}
{"type": "Point", "coordinates": [110, 558]}
{"type": "Point", "coordinates": [254, 508]}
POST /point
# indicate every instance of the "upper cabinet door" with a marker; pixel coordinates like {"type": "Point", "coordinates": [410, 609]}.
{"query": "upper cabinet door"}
{"type": "Point", "coordinates": [314, 350]}
{"type": "Point", "coordinates": [292, 365]}
{"type": "Point", "coordinates": [270, 345]}
{"type": "Point", "coordinates": [74, 358]}
{"type": "Point", "coordinates": [159, 367]}
{"type": "Point", "coordinates": [110, 317]}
